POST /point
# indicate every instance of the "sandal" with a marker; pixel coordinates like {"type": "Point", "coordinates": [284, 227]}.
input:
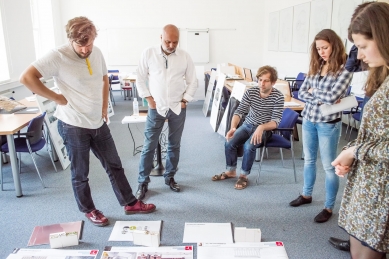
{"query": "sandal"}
{"type": "Point", "coordinates": [242, 181]}
{"type": "Point", "coordinates": [218, 177]}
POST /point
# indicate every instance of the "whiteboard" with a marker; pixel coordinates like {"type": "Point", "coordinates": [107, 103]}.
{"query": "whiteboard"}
{"type": "Point", "coordinates": [198, 46]}
{"type": "Point", "coordinates": [321, 11]}
{"type": "Point", "coordinates": [124, 46]}
{"type": "Point", "coordinates": [300, 27]}
{"type": "Point", "coordinates": [272, 34]}
{"type": "Point", "coordinates": [342, 10]}
{"type": "Point", "coordinates": [286, 29]}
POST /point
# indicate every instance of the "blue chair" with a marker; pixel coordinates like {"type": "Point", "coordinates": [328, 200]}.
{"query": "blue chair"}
{"type": "Point", "coordinates": [113, 80]}
{"type": "Point", "coordinates": [348, 112]}
{"type": "Point", "coordinates": [31, 141]}
{"type": "Point", "coordinates": [282, 138]}
{"type": "Point", "coordinates": [296, 82]}
{"type": "Point", "coordinates": [356, 114]}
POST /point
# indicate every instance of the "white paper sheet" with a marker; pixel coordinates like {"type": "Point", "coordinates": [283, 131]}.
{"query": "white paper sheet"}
{"type": "Point", "coordinates": [263, 250]}
{"type": "Point", "coordinates": [122, 231]}
{"type": "Point", "coordinates": [291, 104]}
{"type": "Point", "coordinates": [358, 82]}
{"type": "Point", "coordinates": [148, 252]}
{"type": "Point", "coordinates": [53, 253]}
{"type": "Point", "coordinates": [345, 104]}
{"type": "Point", "coordinates": [208, 233]}
{"type": "Point", "coordinates": [134, 119]}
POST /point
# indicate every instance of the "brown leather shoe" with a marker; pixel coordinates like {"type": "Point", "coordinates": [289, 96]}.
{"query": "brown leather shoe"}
{"type": "Point", "coordinates": [139, 208]}
{"type": "Point", "coordinates": [172, 184]}
{"type": "Point", "coordinates": [300, 201]}
{"type": "Point", "coordinates": [340, 244]}
{"type": "Point", "coordinates": [97, 218]}
{"type": "Point", "coordinates": [323, 216]}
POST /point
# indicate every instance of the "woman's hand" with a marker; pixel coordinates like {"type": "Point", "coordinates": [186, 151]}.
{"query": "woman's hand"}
{"type": "Point", "coordinates": [344, 161]}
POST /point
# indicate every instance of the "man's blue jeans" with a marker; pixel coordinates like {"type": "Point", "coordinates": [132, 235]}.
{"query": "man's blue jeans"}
{"type": "Point", "coordinates": [324, 137]}
{"type": "Point", "coordinates": [79, 142]}
{"type": "Point", "coordinates": [242, 136]}
{"type": "Point", "coordinates": [153, 129]}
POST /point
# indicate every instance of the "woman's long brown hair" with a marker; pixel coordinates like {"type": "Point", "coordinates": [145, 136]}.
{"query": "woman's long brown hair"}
{"type": "Point", "coordinates": [373, 23]}
{"type": "Point", "coordinates": [337, 57]}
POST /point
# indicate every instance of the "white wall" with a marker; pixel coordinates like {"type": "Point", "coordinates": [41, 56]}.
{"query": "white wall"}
{"type": "Point", "coordinates": [236, 34]}
{"type": "Point", "coordinates": [287, 63]}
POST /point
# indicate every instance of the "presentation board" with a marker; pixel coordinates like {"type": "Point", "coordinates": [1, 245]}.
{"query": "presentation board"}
{"type": "Point", "coordinates": [300, 27]}
{"type": "Point", "coordinates": [320, 17]}
{"type": "Point", "coordinates": [272, 35]}
{"type": "Point", "coordinates": [216, 101]}
{"type": "Point", "coordinates": [342, 10]}
{"type": "Point", "coordinates": [237, 92]}
{"type": "Point", "coordinates": [286, 29]}
{"type": "Point", "coordinates": [208, 96]}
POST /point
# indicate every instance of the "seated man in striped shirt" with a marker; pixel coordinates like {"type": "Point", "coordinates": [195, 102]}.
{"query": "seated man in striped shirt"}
{"type": "Point", "coordinates": [264, 106]}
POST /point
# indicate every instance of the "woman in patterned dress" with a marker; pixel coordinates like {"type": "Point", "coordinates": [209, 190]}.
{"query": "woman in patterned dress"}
{"type": "Point", "coordinates": [364, 211]}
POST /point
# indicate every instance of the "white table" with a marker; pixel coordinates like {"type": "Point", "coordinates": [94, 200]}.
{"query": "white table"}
{"type": "Point", "coordinates": [159, 169]}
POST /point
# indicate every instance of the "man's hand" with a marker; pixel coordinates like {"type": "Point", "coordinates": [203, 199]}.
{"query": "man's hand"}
{"type": "Point", "coordinates": [184, 103]}
{"type": "Point", "coordinates": [230, 134]}
{"type": "Point", "coordinates": [104, 115]}
{"type": "Point", "coordinates": [343, 162]}
{"type": "Point", "coordinates": [257, 136]}
{"type": "Point", "coordinates": [60, 99]}
{"type": "Point", "coordinates": [151, 102]}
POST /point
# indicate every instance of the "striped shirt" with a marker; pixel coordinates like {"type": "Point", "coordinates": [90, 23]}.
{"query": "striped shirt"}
{"type": "Point", "coordinates": [261, 110]}
{"type": "Point", "coordinates": [325, 91]}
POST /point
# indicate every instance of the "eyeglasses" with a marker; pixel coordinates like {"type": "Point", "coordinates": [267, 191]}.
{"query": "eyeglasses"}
{"type": "Point", "coordinates": [165, 60]}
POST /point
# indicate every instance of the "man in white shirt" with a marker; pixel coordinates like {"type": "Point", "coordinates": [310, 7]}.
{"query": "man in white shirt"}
{"type": "Point", "coordinates": [167, 94]}
{"type": "Point", "coordinates": [79, 70]}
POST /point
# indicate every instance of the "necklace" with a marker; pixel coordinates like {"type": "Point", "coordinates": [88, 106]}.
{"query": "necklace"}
{"type": "Point", "coordinates": [89, 67]}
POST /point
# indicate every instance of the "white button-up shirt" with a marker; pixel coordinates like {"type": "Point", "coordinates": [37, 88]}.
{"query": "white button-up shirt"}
{"type": "Point", "coordinates": [162, 77]}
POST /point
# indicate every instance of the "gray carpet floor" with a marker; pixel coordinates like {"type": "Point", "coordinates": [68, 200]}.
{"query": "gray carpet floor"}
{"type": "Point", "coordinates": [263, 206]}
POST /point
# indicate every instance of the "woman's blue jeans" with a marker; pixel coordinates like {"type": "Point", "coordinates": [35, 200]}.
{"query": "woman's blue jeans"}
{"type": "Point", "coordinates": [242, 136]}
{"type": "Point", "coordinates": [79, 142]}
{"type": "Point", "coordinates": [153, 129]}
{"type": "Point", "coordinates": [324, 137]}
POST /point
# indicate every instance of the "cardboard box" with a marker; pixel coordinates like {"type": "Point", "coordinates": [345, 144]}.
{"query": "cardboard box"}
{"type": "Point", "coordinates": [63, 239]}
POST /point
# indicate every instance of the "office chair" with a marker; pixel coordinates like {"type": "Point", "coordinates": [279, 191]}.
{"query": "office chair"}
{"type": "Point", "coordinates": [282, 138]}
{"type": "Point", "coordinates": [113, 76]}
{"type": "Point", "coordinates": [31, 141]}
{"type": "Point", "coordinates": [356, 115]}
{"type": "Point", "coordinates": [295, 83]}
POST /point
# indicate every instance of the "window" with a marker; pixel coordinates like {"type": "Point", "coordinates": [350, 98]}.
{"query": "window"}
{"type": "Point", "coordinates": [4, 72]}
{"type": "Point", "coordinates": [42, 25]}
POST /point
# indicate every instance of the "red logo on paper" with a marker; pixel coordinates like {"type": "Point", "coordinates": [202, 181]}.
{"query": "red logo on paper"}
{"type": "Point", "coordinates": [279, 244]}
{"type": "Point", "coordinates": [94, 252]}
{"type": "Point", "coordinates": [188, 247]}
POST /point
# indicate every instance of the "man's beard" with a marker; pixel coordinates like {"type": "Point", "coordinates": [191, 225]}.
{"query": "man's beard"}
{"type": "Point", "coordinates": [83, 56]}
{"type": "Point", "coordinates": [169, 51]}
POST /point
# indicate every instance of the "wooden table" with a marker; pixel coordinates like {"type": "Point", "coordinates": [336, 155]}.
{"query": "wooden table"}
{"type": "Point", "coordinates": [10, 124]}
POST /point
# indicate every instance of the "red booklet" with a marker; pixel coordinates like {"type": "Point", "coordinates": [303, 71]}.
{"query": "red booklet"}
{"type": "Point", "coordinates": [40, 235]}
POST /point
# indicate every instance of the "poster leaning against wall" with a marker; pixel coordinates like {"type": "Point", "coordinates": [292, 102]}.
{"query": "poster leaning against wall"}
{"type": "Point", "coordinates": [48, 106]}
